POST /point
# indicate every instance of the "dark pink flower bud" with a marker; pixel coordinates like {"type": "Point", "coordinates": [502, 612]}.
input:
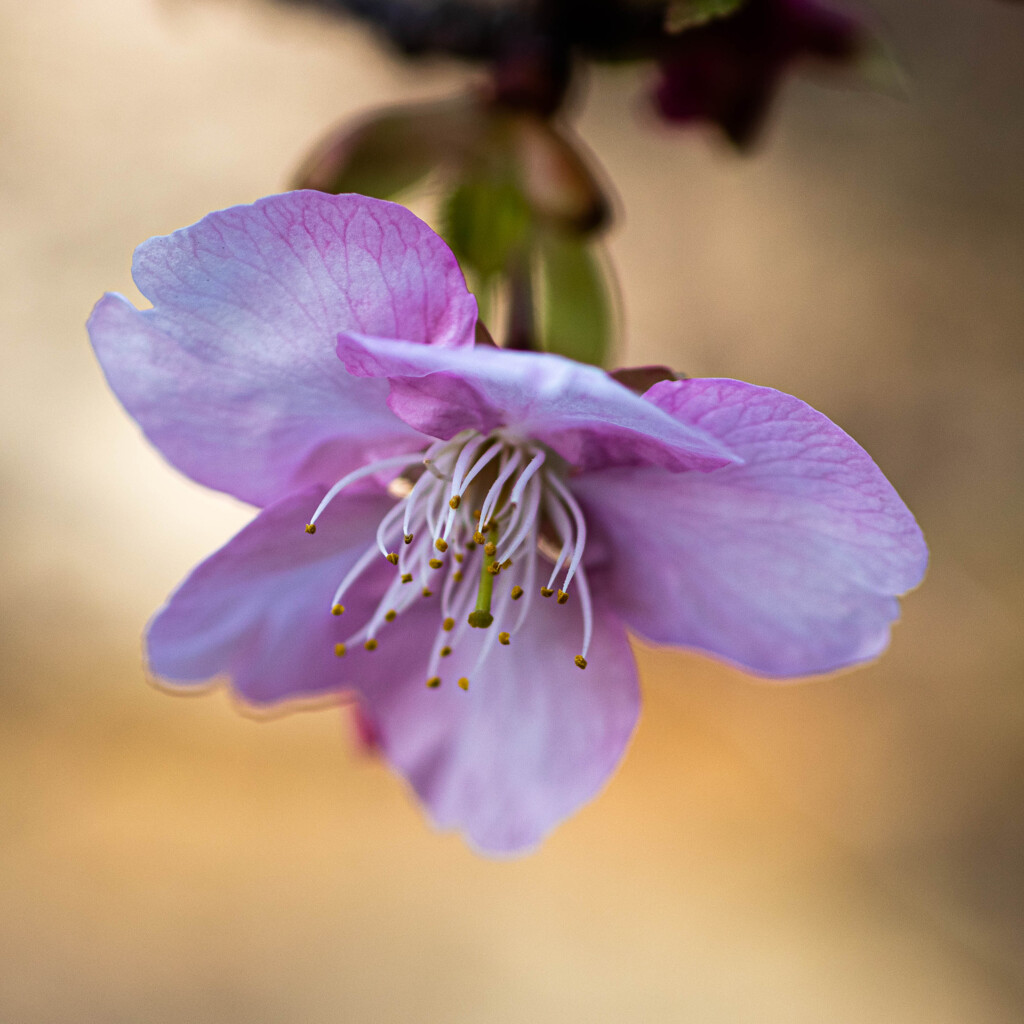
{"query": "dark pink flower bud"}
{"type": "Point", "coordinates": [727, 70]}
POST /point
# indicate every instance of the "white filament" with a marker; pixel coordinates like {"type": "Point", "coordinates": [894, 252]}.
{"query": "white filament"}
{"type": "Point", "coordinates": [354, 573]}
{"type": "Point", "coordinates": [495, 492]}
{"type": "Point", "coordinates": [587, 608]}
{"type": "Point", "coordinates": [425, 515]}
{"type": "Point", "coordinates": [581, 526]}
{"type": "Point", "coordinates": [523, 521]}
{"type": "Point", "coordinates": [560, 521]}
{"type": "Point", "coordinates": [524, 478]}
{"type": "Point", "coordinates": [358, 474]}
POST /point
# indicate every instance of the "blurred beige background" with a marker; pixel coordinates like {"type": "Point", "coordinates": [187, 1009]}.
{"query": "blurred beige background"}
{"type": "Point", "coordinates": [846, 851]}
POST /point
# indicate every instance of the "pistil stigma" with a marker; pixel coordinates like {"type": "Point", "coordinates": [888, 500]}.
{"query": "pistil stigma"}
{"type": "Point", "coordinates": [481, 616]}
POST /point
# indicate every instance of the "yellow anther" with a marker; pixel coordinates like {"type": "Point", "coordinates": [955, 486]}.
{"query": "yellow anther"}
{"type": "Point", "coordinates": [448, 625]}
{"type": "Point", "coordinates": [457, 575]}
{"type": "Point", "coordinates": [494, 568]}
{"type": "Point", "coordinates": [476, 513]}
{"type": "Point", "coordinates": [489, 548]}
{"type": "Point", "coordinates": [427, 592]}
{"type": "Point", "coordinates": [407, 538]}
{"type": "Point", "coordinates": [393, 558]}
{"type": "Point", "coordinates": [407, 577]}
{"type": "Point", "coordinates": [337, 609]}
{"type": "Point", "coordinates": [504, 638]}
{"type": "Point", "coordinates": [459, 557]}
{"type": "Point", "coordinates": [464, 683]}
{"type": "Point", "coordinates": [390, 615]}
{"type": "Point", "coordinates": [471, 546]}
{"type": "Point", "coordinates": [441, 544]}
{"type": "Point", "coordinates": [546, 591]}
{"type": "Point", "coordinates": [455, 501]}
{"type": "Point", "coordinates": [434, 682]}
{"type": "Point", "coordinates": [517, 592]}
{"type": "Point", "coordinates": [445, 651]}
{"type": "Point", "coordinates": [435, 563]}
{"type": "Point", "coordinates": [507, 563]}
{"type": "Point", "coordinates": [371, 644]}
{"type": "Point", "coordinates": [478, 537]}
{"type": "Point", "coordinates": [479, 619]}
{"type": "Point", "coordinates": [562, 597]}
{"type": "Point", "coordinates": [339, 650]}
{"type": "Point", "coordinates": [310, 527]}
{"type": "Point", "coordinates": [581, 662]}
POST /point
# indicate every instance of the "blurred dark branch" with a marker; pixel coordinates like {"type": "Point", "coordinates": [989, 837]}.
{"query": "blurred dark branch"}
{"type": "Point", "coordinates": [602, 29]}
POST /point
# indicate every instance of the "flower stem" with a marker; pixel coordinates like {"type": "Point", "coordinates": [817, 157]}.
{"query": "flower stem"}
{"type": "Point", "coordinates": [521, 331]}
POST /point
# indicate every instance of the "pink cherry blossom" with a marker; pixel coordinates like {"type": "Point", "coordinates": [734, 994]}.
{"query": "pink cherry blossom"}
{"type": "Point", "coordinates": [460, 536]}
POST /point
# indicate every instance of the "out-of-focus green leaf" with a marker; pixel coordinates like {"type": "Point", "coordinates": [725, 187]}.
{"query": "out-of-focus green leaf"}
{"type": "Point", "coordinates": [577, 320]}
{"type": "Point", "coordinates": [390, 152]}
{"type": "Point", "coordinates": [683, 14]}
{"type": "Point", "coordinates": [488, 224]}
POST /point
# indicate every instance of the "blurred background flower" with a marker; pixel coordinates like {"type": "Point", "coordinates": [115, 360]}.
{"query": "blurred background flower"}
{"type": "Point", "coordinates": [845, 851]}
{"type": "Point", "coordinates": [726, 69]}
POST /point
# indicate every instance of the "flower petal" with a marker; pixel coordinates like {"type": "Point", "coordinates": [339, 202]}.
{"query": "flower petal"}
{"type": "Point", "coordinates": [259, 609]}
{"type": "Point", "coordinates": [787, 565]}
{"type": "Point", "coordinates": [589, 419]}
{"type": "Point", "coordinates": [233, 372]}
{"type": "Point", "coordinates": [531, 740]}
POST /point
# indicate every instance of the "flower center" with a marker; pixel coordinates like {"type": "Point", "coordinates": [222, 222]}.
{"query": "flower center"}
{"type": "Point", "coordinates": [473, 519]}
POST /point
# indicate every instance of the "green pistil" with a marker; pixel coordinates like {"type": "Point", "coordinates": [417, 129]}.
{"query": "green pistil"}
{"type": "Point", "coordinates": [481, 616]}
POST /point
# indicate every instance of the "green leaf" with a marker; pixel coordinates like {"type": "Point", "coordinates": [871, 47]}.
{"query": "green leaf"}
{"type": "Point", "coordinates": [488, 224]}
{"type": "Point", "coordinates": [683, 14]}
{"type": "Point", "coordinates": [391, 151]}
{"type": "Point", "coordinates": [577, 320]}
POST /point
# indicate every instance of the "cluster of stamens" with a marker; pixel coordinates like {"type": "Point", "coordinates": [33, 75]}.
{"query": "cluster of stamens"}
{"type": "Point", "coordinates": [470, 514]}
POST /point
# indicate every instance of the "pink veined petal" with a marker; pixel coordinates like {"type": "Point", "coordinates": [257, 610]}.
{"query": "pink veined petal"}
{"type": "Point", "coordinates": [583, 414]}
{"type": "Point", "coordinates": [533, 738]}
{"type": "Point", "coordinates": [788, 565]}
{"type": "Point", "coordinates": [259, 610]}
{"type": "Point", "coordinates": [233, 372]}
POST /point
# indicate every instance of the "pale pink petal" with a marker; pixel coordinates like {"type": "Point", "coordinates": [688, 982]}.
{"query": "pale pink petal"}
{"type": "Point", "coordinates": [583, 414]}
{"type": "Point", "coordinates": [233, 372]}
{"type": "Point", "coordinates": [258, 611]}
{"type": "Point", "coordinates": [533, 738]}
{"type": "Point", "coordinates": [789, 564]}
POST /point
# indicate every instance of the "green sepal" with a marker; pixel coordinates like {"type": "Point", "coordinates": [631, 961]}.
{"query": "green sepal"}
{"type": "Point", "coordinates": [487, 223]}
{"type": "Point", "coordinates": [390, 152]}
{"type": "Point", "coordinates": [577, 314]}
